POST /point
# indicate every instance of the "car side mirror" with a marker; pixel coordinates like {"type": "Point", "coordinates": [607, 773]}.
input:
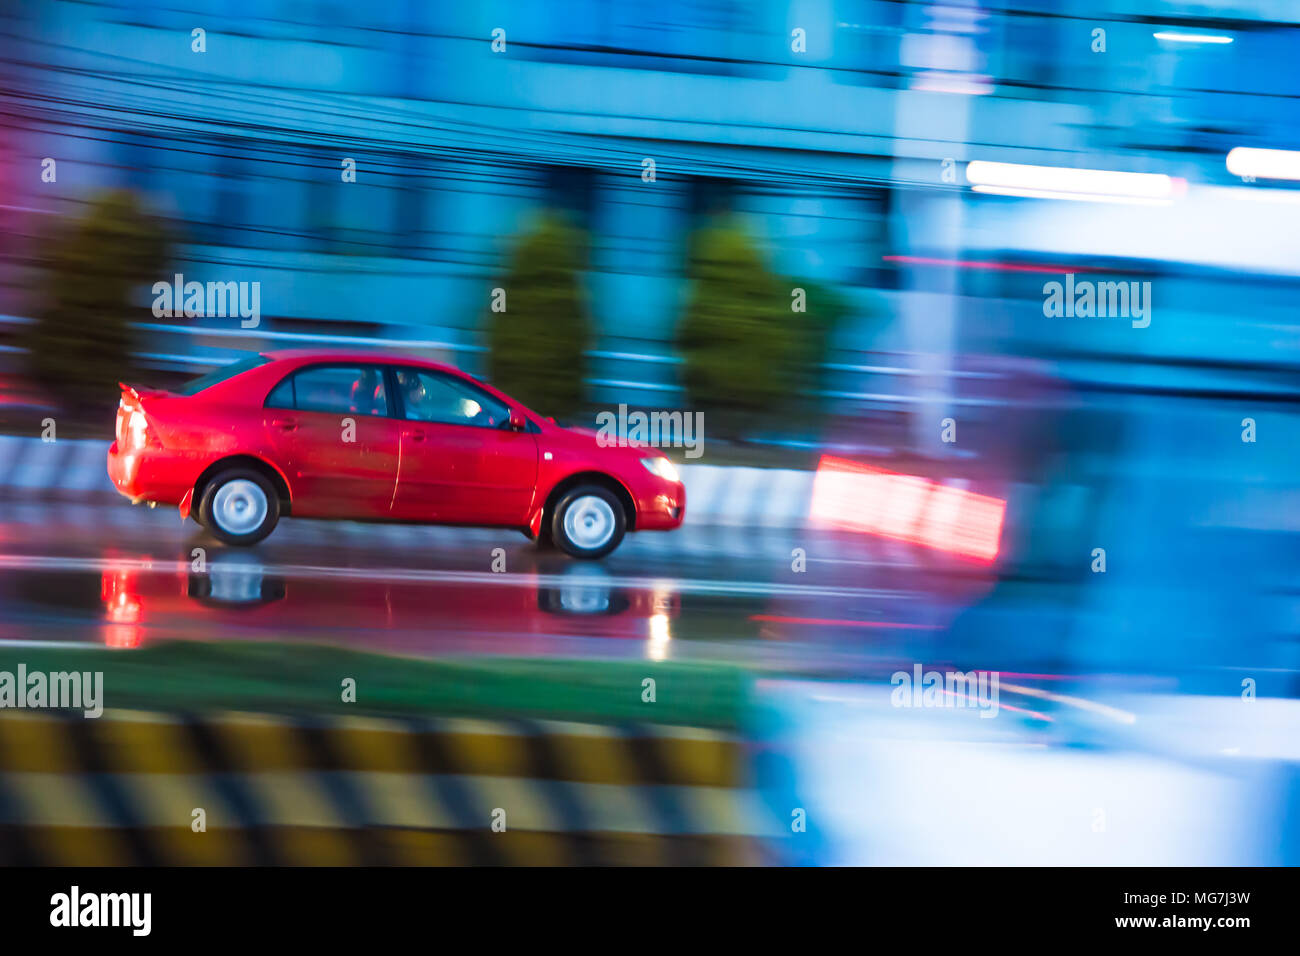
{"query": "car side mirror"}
{"type": "Point", "coordinates": [517, 421]}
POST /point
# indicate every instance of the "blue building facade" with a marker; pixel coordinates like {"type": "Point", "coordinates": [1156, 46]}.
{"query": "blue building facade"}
{"type": "Point", "coordinates": [838, 129]}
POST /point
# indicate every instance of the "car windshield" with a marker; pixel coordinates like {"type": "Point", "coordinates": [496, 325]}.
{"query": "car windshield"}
{"type": "Point", "coordinates": [221, 374]}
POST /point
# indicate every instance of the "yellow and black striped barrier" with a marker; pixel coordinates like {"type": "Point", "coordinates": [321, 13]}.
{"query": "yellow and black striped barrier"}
{"type": "Point", "coordinates": [237, 789]}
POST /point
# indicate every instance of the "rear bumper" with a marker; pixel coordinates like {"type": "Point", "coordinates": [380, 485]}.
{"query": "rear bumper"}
{"type": "Point", "coordinates": [153, 475]}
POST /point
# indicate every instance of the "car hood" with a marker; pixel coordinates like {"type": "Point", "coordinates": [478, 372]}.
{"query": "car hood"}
{"type": "Point", "coordinates": [589, 440]}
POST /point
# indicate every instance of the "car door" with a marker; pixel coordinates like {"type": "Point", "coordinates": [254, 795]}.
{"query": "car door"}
{"type": "Point", "coordinates": [337, 440]}
{"type": "Point", "coordinates": [460, 462]}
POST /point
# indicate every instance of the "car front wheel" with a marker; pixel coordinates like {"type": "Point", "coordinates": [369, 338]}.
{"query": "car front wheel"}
{"type": "Point", "coordinates": [589, 522]}
{"type": "Point", "coordinates": [239, 507]}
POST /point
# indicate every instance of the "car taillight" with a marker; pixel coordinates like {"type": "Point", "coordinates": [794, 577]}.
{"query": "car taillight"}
{"type": "Point", "coordinates": [137, 430]}
{"type": "Point", "coordinates": [134, 432]}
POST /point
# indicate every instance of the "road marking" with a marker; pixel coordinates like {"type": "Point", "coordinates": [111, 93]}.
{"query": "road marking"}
{"type": "Point", "coordinates": [842, 622]}
{"type": "Point", "coordinates": [25, 562]}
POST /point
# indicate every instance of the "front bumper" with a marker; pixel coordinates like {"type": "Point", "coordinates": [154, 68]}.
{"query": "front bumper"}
{"type": "Point", "coordinates": [662, 508]}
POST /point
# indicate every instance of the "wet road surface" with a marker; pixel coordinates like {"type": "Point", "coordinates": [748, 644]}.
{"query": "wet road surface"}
{"type": "Point", "coordinates": [108, 574]}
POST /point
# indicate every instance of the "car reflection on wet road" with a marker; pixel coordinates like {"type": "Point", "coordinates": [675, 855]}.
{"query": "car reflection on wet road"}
{"type": "Point", "coordinates": [102, 574]}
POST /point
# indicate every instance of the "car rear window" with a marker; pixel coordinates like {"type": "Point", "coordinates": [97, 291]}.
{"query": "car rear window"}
{"type": "Point", "coordinates": [354, 389]}
{"type": "Point", "coordinates": [219, 375]}
{"type": "Point", "coordinates": [347, 389]}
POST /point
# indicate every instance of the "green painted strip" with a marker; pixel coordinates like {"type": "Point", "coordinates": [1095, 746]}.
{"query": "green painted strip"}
{"type": "Point", "coordinates": [307, 679]}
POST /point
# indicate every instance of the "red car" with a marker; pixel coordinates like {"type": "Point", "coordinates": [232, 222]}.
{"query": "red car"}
{"type": "Point", "coordinates": [352, 435]}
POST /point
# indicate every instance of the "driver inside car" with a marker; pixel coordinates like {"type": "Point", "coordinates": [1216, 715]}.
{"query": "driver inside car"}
{"type": "Point", "coordinates": [441, 405]}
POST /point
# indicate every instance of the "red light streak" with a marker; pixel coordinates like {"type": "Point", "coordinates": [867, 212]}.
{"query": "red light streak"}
{"type": "Point", "coordinates": [857, 497]}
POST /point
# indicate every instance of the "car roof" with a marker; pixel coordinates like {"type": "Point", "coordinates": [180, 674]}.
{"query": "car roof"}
{"type": "Point", "coordinates": [301, 356]}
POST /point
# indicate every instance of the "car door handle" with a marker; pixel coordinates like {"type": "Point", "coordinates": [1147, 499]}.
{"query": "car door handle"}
{"type": "Point", "coordinates": [286, 424]}
{"type": "Point", "coordinates": [415, 435]}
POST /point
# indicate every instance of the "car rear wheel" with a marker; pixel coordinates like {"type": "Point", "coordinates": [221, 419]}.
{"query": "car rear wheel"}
{"type": "Point", "coordinates": [589, 522]}
{"type": "Point", "coordinates": [239, 507]}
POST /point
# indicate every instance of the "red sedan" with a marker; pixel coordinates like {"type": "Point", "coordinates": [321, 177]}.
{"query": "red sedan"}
{"type": "Point", "coordinates": [321, 434]}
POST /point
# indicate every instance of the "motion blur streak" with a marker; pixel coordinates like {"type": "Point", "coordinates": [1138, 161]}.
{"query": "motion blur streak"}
{"type": "Point", "coordinates": [1088, 183]}
{"type": "Point", "coordinates": [857, 497]}
{"type": "Point", "coordinates": [1264, 163]}
{"type": "Point", "coordinates": [1114, 713]}
{"type": "Point", "coordinates": [841, 233]}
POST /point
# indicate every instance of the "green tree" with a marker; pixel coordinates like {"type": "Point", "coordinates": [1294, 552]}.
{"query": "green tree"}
{"type": "Point", "coordinates": [749, 357]}
{"type": "Point", "coordinates": [539, 341]}
{"type": "Point", "coordinates": [79, 345]}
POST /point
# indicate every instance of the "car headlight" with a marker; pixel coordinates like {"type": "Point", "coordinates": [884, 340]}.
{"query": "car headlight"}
{"type": "Point", "coordinates": [662, 467]}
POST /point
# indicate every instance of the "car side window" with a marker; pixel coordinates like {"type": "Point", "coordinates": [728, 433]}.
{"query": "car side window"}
{"type": "Point", "coordinates": [343, 389]}
{"type": "Point", "coordinates": [431, 397]}
{"type": "Point", "coordinates": [282, 395]}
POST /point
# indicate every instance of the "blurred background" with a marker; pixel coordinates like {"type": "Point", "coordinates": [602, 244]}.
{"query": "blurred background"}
{"type": "Point", "coordinates": [767, 212]}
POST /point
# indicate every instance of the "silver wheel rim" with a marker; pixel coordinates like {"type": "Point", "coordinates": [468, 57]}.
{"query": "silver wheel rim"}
{"type": "Point", "coordinates": [585, 590]}
{"type": "Point", "coordinates": [589, 522]}
{"type": "Point", "coordinates": [236, 581]}
{"type": "Point", "coordinates": [239, 506]}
